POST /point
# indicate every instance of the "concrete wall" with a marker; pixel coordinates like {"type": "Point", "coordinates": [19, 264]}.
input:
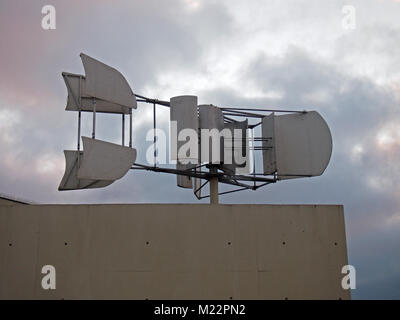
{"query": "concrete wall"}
{"type": "Point", "coordinates": [8, 201]}
{"type": "Point", "coordinates": [4, 202]}
{"type": "Point", "coordinates": [168, 251]}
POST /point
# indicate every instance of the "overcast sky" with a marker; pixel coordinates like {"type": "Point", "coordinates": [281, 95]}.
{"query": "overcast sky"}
{"type": "Point", "coordinates": [281, 54]}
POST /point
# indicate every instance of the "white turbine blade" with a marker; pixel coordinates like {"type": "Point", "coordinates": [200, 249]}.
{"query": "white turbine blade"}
{"type": "Point", "coordinates": [268, 133]}
{"type": "Point", "coordinates": [237, 147]}
{"type": "Point", "coordinates": [211, 117]}
{"type": "Point", "coordinates": [303, 145]}
{"type": "Point", "coordinates": [183, 110]}
{"type": "Point", "coordinates": [184, 181]}
{"type": "Point", "coordinates": [70, 179]}
{"type": "Point", "coordinates": [77, 91]}
{"type": "Point", "coordinates": [107, 83]}
{"type": "Point", "coordinates": [104, 160]}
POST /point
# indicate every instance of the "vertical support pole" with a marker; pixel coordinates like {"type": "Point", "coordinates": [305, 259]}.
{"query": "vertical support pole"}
{"type": "Point", "coordinates": [130, 129]}
{"type": "Point", "coordinates": [254, 157]}
{"type": "Point", "coordinates": [123, 129]}
{"type": "Point", "coordinates": [79, 130]}
{"type": "Point", "coordinates": [79, 124]}
{"type": "Point", "coordinates": [79, 117]}
{"type": "Point", "coordinates": [154, 132]}
{"type": "Point", "coordinates": [94, 119]}
{"type": "Point", "coordinates": [214, 187]}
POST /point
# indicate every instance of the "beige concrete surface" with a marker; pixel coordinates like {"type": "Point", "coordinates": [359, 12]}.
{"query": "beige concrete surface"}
{"type": "Point", "coordinates": [4, 202]}
{"type": "Point", "coordinates": [173, 251]}
{"type": "Point", "coordinates": [7, 200]}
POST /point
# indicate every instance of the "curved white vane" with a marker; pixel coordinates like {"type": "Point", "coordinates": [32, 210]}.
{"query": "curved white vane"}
{"type": "Point", "coordinates": [70, 179]}
{"type": "Point", "coordinates": [302, 143]}
{"type": "Point", "coordinates": [268, 135]}
{"type": "Point", "coordinates": [107, 83]}
{"type": "Point", "coordinates": [184, 181]}
{"type": "Point", "coordinates": [104, 160]}
{"type": "Point", "coordinates": [237, 149]}
{"type": "Point", "coordinates": [79, 100]}
{"type": "Point", "coordinates": [211, 118]}
{"type": "Point", "coordinates": [183, 114]}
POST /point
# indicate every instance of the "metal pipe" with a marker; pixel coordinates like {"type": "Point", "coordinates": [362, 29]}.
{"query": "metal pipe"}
{"type": "Point", "coordinates": [244, 115]}
{"type": "Point", "coordinates": [148, 100]}
{"type": "Point", "coordinates": [264, 110]}
{"type": "Point", "coordinates": [254, 157]}
{"type": "Point", "coordinates": [196, 174]}
{"type": "Point", "coordinates": [123, 129]}
{"type": "Point", "coordinates": [226, 192]}
{"type": "Point", "coordinates": [235, 183]}
{"type": "Point", "coordinates": [154, 132]}
{"type": "Point", "coordinates": [130, 129]}
{"type": "Point", "coordinates": [251, 126]}
{"type": "Point", "coordinates": [79, 116]}
{"type": "Point", "coordinates": [79, 130]}
{"type": "Point", "coordinates": [199, 188]}
{"type": "Point", "coordinates": [94, 119]}
{"type": "Point", "coordinates": [206, 175]}
{"type": "Point", "coordinates": [79, 122]}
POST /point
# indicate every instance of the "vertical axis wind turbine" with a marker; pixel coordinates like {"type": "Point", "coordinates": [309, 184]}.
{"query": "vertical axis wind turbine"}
{"type": "Point", "coordinates": [293, 144]}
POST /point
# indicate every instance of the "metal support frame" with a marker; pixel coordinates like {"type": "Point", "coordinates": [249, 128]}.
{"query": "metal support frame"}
{"type": "Point", "coordinates": [222, 177]}
{"type": "Point", "coordinates": [225, 192]}
{"type": "Point", "coordinates": [199, 188]}
{"type": "Point", "coordinates": [233, 110]}
{"type": "Point", "coordinates": [79, 124]}
{"type": "Point", "coordinates": [255, 180]}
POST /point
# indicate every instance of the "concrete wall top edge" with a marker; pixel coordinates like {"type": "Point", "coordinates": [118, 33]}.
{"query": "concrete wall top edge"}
{"type": "Point", "coordinates": [182, 204]}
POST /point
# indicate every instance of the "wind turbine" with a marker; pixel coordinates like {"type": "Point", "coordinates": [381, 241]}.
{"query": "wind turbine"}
{"type": "Point", "coordinates": [293, 144]}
